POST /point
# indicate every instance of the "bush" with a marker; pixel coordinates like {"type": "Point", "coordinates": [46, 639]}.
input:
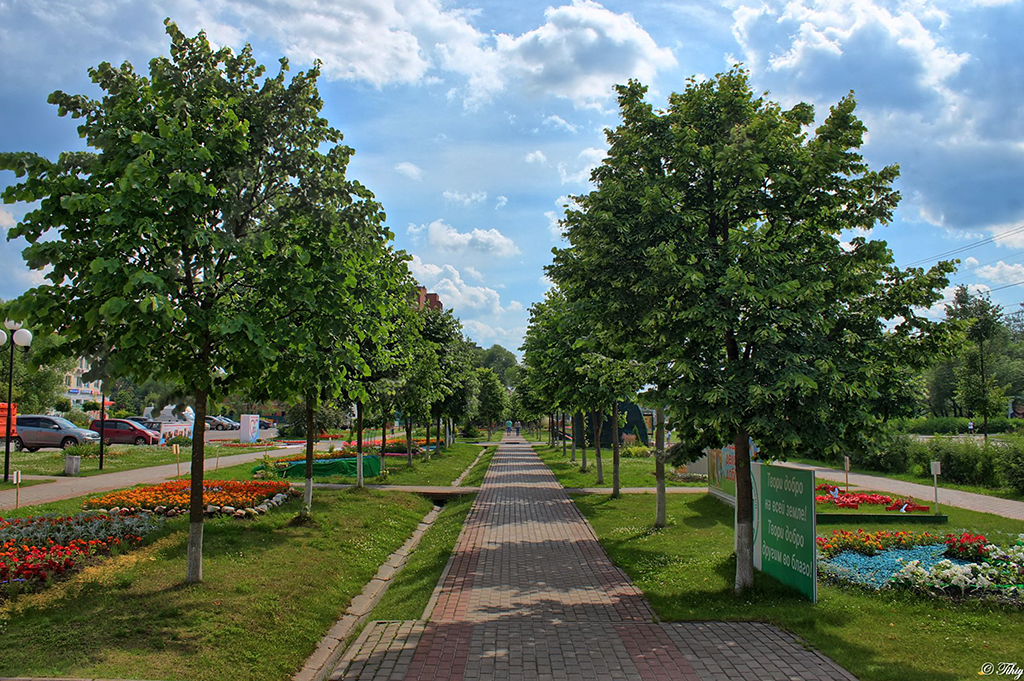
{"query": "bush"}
{"type": "Point", "coordinates": [635, 452]}
{"type": "Point", "coordinates": [965, 463]}
{"type": "Point", "coordinates": [471, 431]}
{"type": "Point", "coordinates": [86, 451]}
{"type": "Point", "coordinates": [79, 418]}
{"type": "Point", "coordinates": [951, 425]}
{"type": "Point", "coordinates": [63, 405]}
{"type": "Point", "coordinates": [1011, 460]}
{"type": "Point", "coordinates": [179, 440]}
{"type": "Point", "coordinates": [325, 420]}
{"type": "Point", "coordinates": [891, 455]}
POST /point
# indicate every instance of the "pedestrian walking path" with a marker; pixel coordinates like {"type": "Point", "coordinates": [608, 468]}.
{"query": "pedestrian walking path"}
{"type": "Point", "coordinates": [67, 488]}
{"type": "Point", "coordinates": [1007, 508]}
{"type": "Point", "coordinates": [530, 594]}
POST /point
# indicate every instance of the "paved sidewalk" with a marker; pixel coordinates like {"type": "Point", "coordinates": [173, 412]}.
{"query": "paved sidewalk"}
{"type": "Point", "coordinates": [67, 488]}
{"type": "Point", "coordinates": [530, 594]}
{"type": "Point", "coordinates": [1007, 508]}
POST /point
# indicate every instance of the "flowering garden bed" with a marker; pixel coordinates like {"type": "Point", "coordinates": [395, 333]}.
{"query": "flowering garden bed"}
{"type": "Point", "coordinates": [953, 565]}
{"type": "Point", "coordinates": [36, 549]}
{"type": "Point", "coordinates": [242, 498]}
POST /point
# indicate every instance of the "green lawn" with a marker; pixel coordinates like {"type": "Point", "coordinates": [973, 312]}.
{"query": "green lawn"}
{"type": "Point", "coordinates": [1002, 493]}
{"type": "Point", "coordinates": [632, 472]}
{"type": "Point", "coordinates": [411, 588]}
{"type": "Point", "coordinates": [687, 572]}
{"type": "Point", "coordinates": [441, 470]}
{"type": "Point", "coordinates": [270, 591]}
{"type": "Point", "coordinates": [116, 458]}
{"type": "Point", "coordinates": [476, 476]}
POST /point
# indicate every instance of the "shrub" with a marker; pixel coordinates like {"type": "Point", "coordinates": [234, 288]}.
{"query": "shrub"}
{"type": "Point", "coordinates": [965, 462]}
{"type": "Point", "coordinates": [953, 425]}
{"type": "Point", "coordinates": [471, 431]}
{"type": "Point", "coordinates": [635, 452]}
{"type": "Point", "coordinates": [63, 405]}
{"type": "Point", "coordinates": [79, 418]}
{"type": "Point", "coordinates": [890, 455]}
{"type": "Point", "coordinates": [86, 451]}
{"type": "Point", "coordinates": [1011, 459]}
{"type": "Point", "coordinates": [179, 440]}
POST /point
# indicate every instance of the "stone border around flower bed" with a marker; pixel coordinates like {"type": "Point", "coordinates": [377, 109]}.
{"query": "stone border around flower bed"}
{"type": "Point", "coordinates": [211, 510]}
{"type": "Point", "coordinates": [839, 518]}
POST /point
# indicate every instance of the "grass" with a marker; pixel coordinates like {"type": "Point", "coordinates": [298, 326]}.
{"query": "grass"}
{"type": "Point", "coordinates": [412, 587]}
{"type": "Point", "coordinates": [476, 476]}
{"type": "Point", "coordinates": [687, 571]}
{"type": "Point", "coordinates": [24, 484]}
{"type": "Point", "coordinates": [1002, 493]}
{"type": "Point", "coordinates": [632, 472]}
{"type": "Point", "coordinates": [270, 591]}
{"type": "Point", "coordinates": [440, 470]}
{"type": "Point", "coordinates": [116, 458]}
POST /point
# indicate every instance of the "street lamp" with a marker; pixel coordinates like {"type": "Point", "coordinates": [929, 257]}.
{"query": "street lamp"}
{"type": "Point", "coordinates": [22, 337]}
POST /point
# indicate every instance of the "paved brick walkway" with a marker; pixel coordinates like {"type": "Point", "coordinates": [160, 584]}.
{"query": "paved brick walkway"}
{"type": "Point", "coordinates": [530, 594]}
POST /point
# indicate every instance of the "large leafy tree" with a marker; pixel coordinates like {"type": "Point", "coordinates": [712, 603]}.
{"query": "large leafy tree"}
{"type": "Point", "coordinates": [492, 397]}
{"type": "Point", "coordinates": [723, 215]}
{"type": "Point", "coordinates": [983, 325]}
{"type": "Point", "coordinates": [153, 236]}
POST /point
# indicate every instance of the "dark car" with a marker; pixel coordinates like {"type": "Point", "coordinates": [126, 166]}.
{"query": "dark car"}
{"type": "Point", "coordinates": [215, 423]}
{"type": "Point", "coordinates": [37, 430]}
{"type": "Point", "coordinates": [125, 431]}
{"type": "Point", "coordinates": [265, 424]}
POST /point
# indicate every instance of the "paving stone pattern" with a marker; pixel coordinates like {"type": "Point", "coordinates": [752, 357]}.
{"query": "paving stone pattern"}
{"type": "Point", "coordinates": [530, 594]}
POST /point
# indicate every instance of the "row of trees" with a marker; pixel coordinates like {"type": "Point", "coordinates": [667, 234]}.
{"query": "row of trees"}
{"type": "Point", "coordinates": [211, 239]}
{"type": "Point", "coordinates": [707, 268]}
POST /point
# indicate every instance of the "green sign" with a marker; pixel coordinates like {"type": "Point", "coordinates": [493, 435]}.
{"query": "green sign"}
{"type": "Point", "coordinates": [784, 525]}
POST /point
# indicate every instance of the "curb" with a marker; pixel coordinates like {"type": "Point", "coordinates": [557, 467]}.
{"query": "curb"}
{"type": "Point", "coordinates": [331, 648]}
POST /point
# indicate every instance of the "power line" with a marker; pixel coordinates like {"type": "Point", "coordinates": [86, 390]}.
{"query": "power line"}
{"type": "Point", "coordinates": [961, 249]}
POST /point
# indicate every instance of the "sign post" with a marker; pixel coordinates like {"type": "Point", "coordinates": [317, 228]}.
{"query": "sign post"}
{"type": "Point", "coordinates": [177, 459]}
{"type": "Point", "coordinates": [936, 472]}
{"type": "Point", "coordinates": [17, 489]}
{"type": "Point", "coordinates": [785, 526]}
{"type": "Point", "coordinates": [846, 465]}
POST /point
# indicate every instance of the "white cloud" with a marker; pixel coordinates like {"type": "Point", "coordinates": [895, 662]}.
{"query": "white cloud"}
{"type": "Point", "coordinates": [554, 224]}
{"type": "Point", "coordinates": [7, 221]}
{"type": "Point", "coordinates": [587, 160]}
{"type": "Point", "coordinates": [1001, 272]}
{"type": "Point", "coordinates": [501, 202]}
{"type": "Point", "coordinates": [465, 199]}
{"type": "Point", "coordinates": [487, 334]}
{"type": "Point", "coordinates": [545, 281]}
{"type": "Point", "coordinates": [443, 237]}
{"type": "Point", "coordinates": [938, 310]}
{"type": "Point", "coordinates": [555, 121]}
{"type": "Point", "coordinates": [410, 170]}
{"type": "Point", "coordinates": [473, 272]}
{"type": "Point", "coordinates": [447, 282]}
{"type": "Point", "coordinates": [536, 157]}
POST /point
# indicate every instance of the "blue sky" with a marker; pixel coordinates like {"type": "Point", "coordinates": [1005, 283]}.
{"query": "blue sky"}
{"type": "Point", "coordinates": [473, 121]}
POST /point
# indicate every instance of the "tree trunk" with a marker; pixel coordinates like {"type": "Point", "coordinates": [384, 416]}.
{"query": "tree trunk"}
{"type": "Point", "coordinates": [194, 559]}
{"type": "Point", "coordinates": [307, 498]}
{"type": "Point", "coordinates": [575, 432]}
{"type": "Point", "coordinates": [383, 444]}
{"type": "Point", "coordinates": [564, 445]}
{"type": "Point", "coordinates": [359, 443]}
{"type": "Point", "coordinates": [615, 450]}
{"type": "Point", "coordinates": [426, 444]}
{"type": "Point", "coordinates": [659, 465]}
{"type": "Point", "coordinates": [598, 418]}
{"type": "Point", "coordinates": [438, 436]}
{"type": "Point", "coordinates": [984, 390]}
{"type": "Point", "coordinates": [551, 430]}
{"type": "Point", "coordinates": [744, 514]}
{"type": "Point", "coordinates": [583, 442]}
{"type": "Point", "coordinates": [408, 440]}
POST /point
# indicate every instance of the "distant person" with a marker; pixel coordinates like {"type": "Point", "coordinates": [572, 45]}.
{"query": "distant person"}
{"type": "Point", "coordinates": [508, 427]}
{"type": "Point", "coordinates": [970, 427]}
{"type": "Point", "coordinates": [518, 426]}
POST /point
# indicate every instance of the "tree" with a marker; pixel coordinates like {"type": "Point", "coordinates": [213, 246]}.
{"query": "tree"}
{"type": "Point", "coordinates": [493, 397]}
{"type": "Point", "coordinates": [983, 322]}
{"type": "Point", "coordinates": [725, 217]}
{"type": "Point", "coordinates": [502, 362]}
{"type": "Point", "coordinates": [159, 228]}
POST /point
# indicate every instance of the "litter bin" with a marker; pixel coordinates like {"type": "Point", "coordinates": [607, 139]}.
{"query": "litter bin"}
{"type": "Point", "coordinates": [72, 465]}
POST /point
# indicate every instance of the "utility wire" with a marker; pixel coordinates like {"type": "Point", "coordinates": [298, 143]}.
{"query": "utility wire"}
{"type": "Point", "coordinates": [967, 247]}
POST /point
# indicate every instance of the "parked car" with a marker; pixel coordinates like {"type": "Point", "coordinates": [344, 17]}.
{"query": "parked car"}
{"type": "Point", "coordinates": [125, 431]}
{"type": "Point", "coordinates": [235, 425]}
{"type": "Point", "coordinates": [265, 424]}
{"type": "Point", "coordinates": [37, 430]}
{"type": "Point", "coordinates": [218, 423]}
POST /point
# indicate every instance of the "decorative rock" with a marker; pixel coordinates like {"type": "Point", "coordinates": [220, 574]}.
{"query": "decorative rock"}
{"type": "Point", "coordinates": [160, 509]}
{"type": "Point", "coordinates": [240, 513]}
{"type": "Point", "coordinates": [250, 512]}
{"type": "Point", "coordinates": [115, 510]}
{"type": "Point", "coordinates": [212, 509]}
{"type": "Point", "coordinates": [227, 509]}
{"type": "Point", "coordinates": [262, 508]}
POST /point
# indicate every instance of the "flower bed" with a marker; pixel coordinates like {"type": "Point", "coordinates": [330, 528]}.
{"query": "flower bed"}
{"type": "Point", "coordinates": [954, 565]}
{"type": "Point", "coordinates": [35, 549]}
{"type": "Point", "coordinates": [237, 497]}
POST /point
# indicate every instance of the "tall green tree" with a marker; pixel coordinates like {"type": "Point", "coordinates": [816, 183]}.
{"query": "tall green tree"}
{"type": "Point", "coordinates": [724, 215]}
{"type": "Point", "coordinates": [983, 325]}
{"type": "Point", "coordinates": [153, 236]}
{"type": "Point", "coordinates": [493, 397]}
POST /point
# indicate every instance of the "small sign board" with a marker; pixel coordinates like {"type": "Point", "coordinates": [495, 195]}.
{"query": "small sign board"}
{"type": "Point", "coordinates": [785, 526]}
{"type": "Point", "coordinates": [846, 464]}
{"type": "Point", "coordinates": [936, 468]}
{"type": "Point", "coordinates": [16, 477]}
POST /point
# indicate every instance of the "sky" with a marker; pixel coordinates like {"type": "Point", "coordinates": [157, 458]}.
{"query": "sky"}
{"type": "Point", "coordinates": [473, 122]}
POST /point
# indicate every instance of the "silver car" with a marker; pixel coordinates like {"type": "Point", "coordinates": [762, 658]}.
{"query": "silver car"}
{"type": "Point", "coordinates": [36, 431]}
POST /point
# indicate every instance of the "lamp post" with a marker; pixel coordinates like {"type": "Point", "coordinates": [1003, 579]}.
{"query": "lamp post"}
{"type": "Point", "coordinates": [22, 337]}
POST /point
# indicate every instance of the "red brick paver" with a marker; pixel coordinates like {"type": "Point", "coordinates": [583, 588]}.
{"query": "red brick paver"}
{"type": "Point", "coordinates": [530, 594]}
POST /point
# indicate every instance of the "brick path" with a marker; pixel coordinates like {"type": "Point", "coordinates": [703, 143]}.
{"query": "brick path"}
{"type": "Point", "coordinates": [530, 594]}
